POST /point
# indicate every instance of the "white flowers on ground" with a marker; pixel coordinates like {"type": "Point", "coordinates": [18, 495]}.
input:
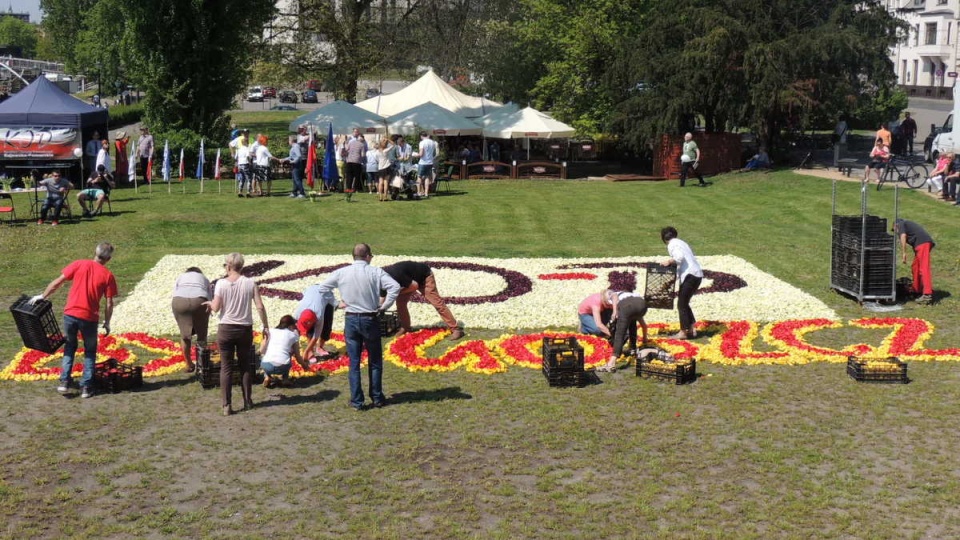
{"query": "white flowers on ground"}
{"type": "Point", "coordinates": [488, 293]}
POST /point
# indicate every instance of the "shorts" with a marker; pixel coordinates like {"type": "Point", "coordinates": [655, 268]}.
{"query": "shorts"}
{"type": "Point", "coordinates": [424, 171]}
{"type": "Point", "coordinates": [92, 193]}
{"type": "Point", "coordinates": [877, 164]}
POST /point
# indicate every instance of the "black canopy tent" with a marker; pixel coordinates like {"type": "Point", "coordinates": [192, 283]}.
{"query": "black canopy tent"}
{"type": "Point", "coordinates": [42, 126]}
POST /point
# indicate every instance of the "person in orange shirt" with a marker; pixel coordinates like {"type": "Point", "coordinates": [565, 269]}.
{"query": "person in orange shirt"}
{"type": "Point", "coordinates": [884, 133]}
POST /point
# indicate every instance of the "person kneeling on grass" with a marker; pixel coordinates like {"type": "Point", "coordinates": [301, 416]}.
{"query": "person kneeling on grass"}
{"type": "Point", "coordinates": [276, 350]}
{"type": "Point", "coordinates": [595, 312]}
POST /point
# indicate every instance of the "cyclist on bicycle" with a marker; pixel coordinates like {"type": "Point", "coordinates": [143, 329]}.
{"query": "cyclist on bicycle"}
{"type": "Point", "coordinates": [879, 158]}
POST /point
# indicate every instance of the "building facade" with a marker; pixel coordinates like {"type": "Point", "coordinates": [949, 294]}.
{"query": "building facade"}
{"type": "Point", "coordinates": [928, 52]}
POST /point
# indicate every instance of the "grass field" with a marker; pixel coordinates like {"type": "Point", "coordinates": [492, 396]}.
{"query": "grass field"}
{"type": "Point", "coordinates": [747, 452]}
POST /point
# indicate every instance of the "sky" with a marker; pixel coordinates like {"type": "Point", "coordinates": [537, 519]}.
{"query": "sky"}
{"type": "Point", "coordinates": [19, 6]}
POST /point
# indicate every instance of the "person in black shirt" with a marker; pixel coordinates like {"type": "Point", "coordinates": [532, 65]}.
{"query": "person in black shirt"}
{"type": "Point", "coordinates": [415, 276]}
{"type": "Point", "coordinates": [922, 243]}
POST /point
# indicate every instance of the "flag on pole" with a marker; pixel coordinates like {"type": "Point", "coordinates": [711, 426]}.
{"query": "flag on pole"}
{"type": "Point", "coordinates": [311, 159]}
{"type": "Point", "coordinates": [165, 170]}
{"type": "Point", "coordinates": [182, 172]}
{"type": "Point", "coordinates": [200, 162]}
{"type": "Point", "coordinates": [330, 174]}
{"type": "Point", "coordinates": [132, 167]}
{"type": "Point", "coordinates": [216, 173]}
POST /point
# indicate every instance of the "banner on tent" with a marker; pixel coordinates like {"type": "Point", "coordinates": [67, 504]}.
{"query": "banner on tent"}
{"type": "Point", "coordinates": [38, 143]}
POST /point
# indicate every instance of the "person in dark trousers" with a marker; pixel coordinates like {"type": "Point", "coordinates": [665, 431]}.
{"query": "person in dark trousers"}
{"type": "Point", "coordinates": [689, 274]}
{"type": "Point", "coordinates": [922, 243]}
{"type": "Point", "coordinates": [908, 128]}
{"type": "Point", "coordinates": [628, 311]}
{"type": "Point", "coordinates": [690, 160]}
{"type": "Point", "coordinates": [418, 277]}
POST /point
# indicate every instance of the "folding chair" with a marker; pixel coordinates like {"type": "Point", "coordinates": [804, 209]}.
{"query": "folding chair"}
{"type": "Point", "coordinates": [6, 207]}
{"type": "Point", "coordinates": [445, 179]}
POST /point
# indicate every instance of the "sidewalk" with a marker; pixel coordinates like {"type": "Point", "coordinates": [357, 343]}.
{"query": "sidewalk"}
{"type": "Point", "coordinates": [856, 176]}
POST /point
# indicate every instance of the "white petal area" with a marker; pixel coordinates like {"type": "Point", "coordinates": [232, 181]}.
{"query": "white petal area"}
{"type": "Point", "coordinates": [549, 304]}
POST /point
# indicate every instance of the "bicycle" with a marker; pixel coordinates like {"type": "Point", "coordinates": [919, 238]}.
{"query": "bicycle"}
{"type": "Point", "coordinates": [907, 170]}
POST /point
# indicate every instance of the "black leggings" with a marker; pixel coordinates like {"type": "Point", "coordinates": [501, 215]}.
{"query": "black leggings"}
{"type": "Point", "coordinates": [629, 311]}
{"type": "Point", "coordinates": [687, 289]}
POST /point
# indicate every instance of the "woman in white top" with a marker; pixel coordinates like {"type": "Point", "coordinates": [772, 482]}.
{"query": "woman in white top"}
{"type": "Point", "coordinates": [232, 296]}
{"type": "Point", "coordinates": [103, 157]}
{"type": "Point", "coordinates": [277, 349]}
{"type": "Point", "coordinates": [689, 274]}
{"type": "Point", "coordinates": [385, 157]}
{"type": "Point", "coordinates": [190, 294]}
{"type": "Point", "coordinates": [261, 166]}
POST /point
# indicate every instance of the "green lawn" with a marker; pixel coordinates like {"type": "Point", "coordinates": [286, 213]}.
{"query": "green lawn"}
{"type": "Point", "coordinates": [747, 452]}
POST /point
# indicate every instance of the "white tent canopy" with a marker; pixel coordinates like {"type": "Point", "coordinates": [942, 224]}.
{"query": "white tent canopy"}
{"type": "Point", "coordinates": [528, 123]}
{"type": "Point", "coordinates": [432, 118]}
{"type": "Point", "coordinates": [429, 88]}
{"type": "Point", "coordinates": [344, 118]}
{"type": "Point", "coordinates": [490, 118]}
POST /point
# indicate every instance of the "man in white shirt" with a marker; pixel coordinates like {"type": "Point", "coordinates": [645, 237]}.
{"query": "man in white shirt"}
{"type": "Point", "coordinates": [689, 274]}
{"type": "Point", "coordinates": [243, 152]}
{"type": "Point", "coordinates": [428, 154]}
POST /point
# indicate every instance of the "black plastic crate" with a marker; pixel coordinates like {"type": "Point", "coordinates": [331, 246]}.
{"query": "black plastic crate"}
{"type": "Point", "coordinates": [891, 370]}
{"type": "Point", "coordinates": [565, 378]}
{"type": "Point", "coordinates": [659, 286]}
{"type": "Point", "coordinates": [562, 354]}
{"type": "Point", "coordinates": [677, 372]}
{"type": "Point", "coordinates": [208, 367]}
{"type": "Point", "coordinates": [37, 324]}
{"type": "Point", "coordinates": [113, 376]}
{"type": "Point", "coordinates": [389, 323]}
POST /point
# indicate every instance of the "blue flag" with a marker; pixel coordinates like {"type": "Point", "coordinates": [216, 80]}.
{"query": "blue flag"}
{"type": "Point", "coordinates": [166, 161]}
{"type": "Point", "coordinates": [200, 162]}
{"type": "Point", "coordinates": [330, 174]}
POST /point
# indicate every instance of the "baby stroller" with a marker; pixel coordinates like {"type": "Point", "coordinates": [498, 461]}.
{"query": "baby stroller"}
{"type": "Point", "coordinates": [404, 185]}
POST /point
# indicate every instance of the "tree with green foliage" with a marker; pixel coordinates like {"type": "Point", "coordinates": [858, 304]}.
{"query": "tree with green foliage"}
{"type": "Point", "coordinates": [62, 21]}
{"type": "Point", "coordinates": [14, 32]}
{"type": "Point", "coordinates": [340, 41]}
{"type": "Point", "coordinates": [768, 65]}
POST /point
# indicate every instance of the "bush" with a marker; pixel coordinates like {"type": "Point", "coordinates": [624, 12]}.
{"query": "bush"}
{"type": "Point", "coordinates": [122, 115]}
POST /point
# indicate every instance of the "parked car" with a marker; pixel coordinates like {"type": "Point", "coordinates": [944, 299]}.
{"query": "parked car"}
{"type": "Point", "coordinates": [288, 96]}
{"type": "Point", "coordinates": [255, 93]}
{"type": "Point", "coordinates": [283, 108]}
{"type": "Point", "coordinates": [310, 96]}
{"type": "Point", "coordinates": [269, 92]}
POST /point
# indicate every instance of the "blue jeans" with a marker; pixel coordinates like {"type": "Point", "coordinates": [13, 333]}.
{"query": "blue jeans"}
{"type": "Point", "coordinates": [270, 369]}
{"type": "Point", "coordinates": [72, 325]}
{"type": "Point", "coordinates": [363, 332]}
{"type": "Point", "coordinates": [589, 326]}
{"type": "Point", "coordinates": [297, 171]}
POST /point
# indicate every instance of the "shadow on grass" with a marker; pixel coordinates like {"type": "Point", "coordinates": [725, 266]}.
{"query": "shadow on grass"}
{"type": "Point", "coordinates": [283, 399]}
{"type": "Point", "coordinates": [440, 394]}
{"type": "Point", "coordinates": [152, 385]}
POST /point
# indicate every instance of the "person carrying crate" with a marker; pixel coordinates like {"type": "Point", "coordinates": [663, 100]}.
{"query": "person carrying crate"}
{"type": "Point", "coordinates": [690, 275]}
{"type": "Point", "coordinates": [91, 282]}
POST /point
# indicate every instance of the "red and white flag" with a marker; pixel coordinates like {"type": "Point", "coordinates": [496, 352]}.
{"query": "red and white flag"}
{"type": "Point", "coordinates": [311, 159]}
{"type": "Point", "coordinates": [182, 173]}
{"type": "Point", "coordinates": [216, 168]}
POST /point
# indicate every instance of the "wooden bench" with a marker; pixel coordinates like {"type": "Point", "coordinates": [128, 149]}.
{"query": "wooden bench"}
{"type": "Point", "coordinates": [846, 166]}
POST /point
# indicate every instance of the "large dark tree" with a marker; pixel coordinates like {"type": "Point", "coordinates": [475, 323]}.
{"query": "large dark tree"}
{"type": "Point", "coordinates": [763, 64]}
{"type": "Point", "coordinates": [63, 21]}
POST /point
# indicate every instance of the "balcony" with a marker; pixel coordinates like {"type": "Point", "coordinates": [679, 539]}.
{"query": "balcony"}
{"type": "Point", "coordinates": [935, 51]}
{"type": "Point", "coordinates": [931, 92]}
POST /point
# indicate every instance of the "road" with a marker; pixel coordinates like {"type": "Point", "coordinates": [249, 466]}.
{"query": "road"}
{"type": "Point", "coordinates": [388, 87]}
{"type": "Point", "coordinates": [928, 111]}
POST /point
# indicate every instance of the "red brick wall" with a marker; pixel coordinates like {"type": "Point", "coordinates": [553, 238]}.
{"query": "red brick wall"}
{"type": "Point", "coordinates": [720, 152]}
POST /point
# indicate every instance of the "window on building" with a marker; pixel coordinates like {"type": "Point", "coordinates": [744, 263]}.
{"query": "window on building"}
{"type": "Point", "coordinates": [916, 74]}
{"type": "Point", "coordinates": [904, 74]}
{"type": "Point", "coordinates": [916, 35]}
{"type": "Point", "coordinates": [931, 37]}
{"type": "Point", "coordinates": [949, 31]}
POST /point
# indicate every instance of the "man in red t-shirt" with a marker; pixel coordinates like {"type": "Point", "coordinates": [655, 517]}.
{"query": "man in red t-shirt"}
{"type": "Point", "coordinates": [91, 282]}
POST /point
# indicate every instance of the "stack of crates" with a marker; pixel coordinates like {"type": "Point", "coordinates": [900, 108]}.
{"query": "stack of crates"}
{"type": "Point", "coordinates": [563, 362]}
{"type": "Point", "coordinates": [37, 324]}
{"type": "Point", "coordinates": [389, 323]}
{"type": "Point", "coordinates": [874, 246]}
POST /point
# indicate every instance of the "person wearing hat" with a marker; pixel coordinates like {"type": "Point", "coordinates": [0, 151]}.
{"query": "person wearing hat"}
{"type": "Point", "coordinates": [145, 151]}
{"type": "Point", "coordinates": [922, 243]}
{"type": "Point", "coordinates": [120, 142]}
